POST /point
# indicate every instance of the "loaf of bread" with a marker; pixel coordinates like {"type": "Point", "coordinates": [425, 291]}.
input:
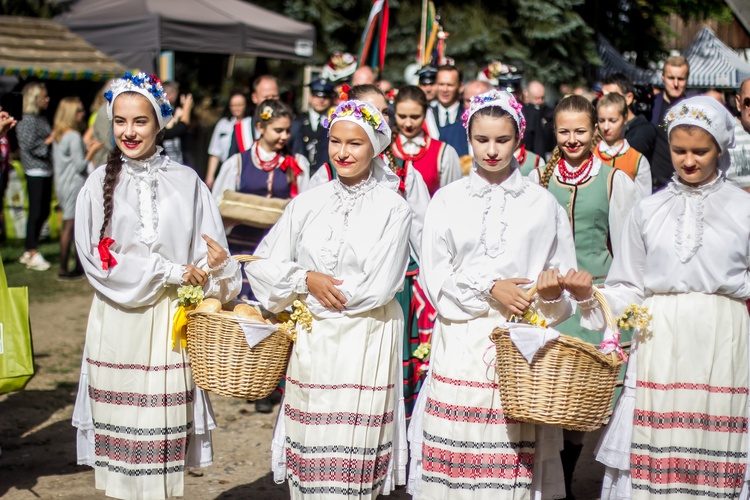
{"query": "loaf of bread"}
{"type": "Point", "coordinates": [246, 311]}
{"type": "Point", "coordinates": [209, 305]}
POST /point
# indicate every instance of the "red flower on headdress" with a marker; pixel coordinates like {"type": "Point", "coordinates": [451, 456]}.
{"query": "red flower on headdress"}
{"type": "Point", "coordinates": [344, 93]}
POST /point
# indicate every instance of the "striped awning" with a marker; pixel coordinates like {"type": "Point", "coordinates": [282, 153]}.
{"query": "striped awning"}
{"type": "Point", "coordinates": [614, 62]}
{"type": "Point", "coordinates": [48, 50]}
{"type": "Point", "coordinates": [713, 64]}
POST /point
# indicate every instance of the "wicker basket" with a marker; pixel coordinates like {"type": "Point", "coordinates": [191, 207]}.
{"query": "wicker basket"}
{"type": "Point", "coordinates": [223, 363]}
{"type": "Point", "coordinates": [569, 384]}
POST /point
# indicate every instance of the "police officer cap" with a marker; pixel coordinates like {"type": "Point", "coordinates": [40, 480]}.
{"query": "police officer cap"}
{"type": "Point", "coordinates": [427, 75]}
{"type": "Point", "coordinates": [322, 88]}
{"type": "Point", "coordinates": [509, 83]}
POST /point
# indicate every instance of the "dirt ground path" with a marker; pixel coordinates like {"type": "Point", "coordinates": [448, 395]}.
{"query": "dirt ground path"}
{"type": "Point", "coordinates": [38, 458]}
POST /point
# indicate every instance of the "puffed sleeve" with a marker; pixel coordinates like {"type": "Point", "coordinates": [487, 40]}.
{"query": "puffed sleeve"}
{"type": "Point", "coordinates": [418, 198]}
{"type": "Point", "coordinates": [277, 280]}
{"type": "Point", "coordinates": [228, 177]}
{"type": "Point", "coordinates": [225, 280]}
{"type": "Point", "coordinates": [135, 281]}
{"type": "Point", "coordinates": [456, 296]}
{"type": "Point", "coordinates": [643, 177]}
{"type": "Point", "coordinates": [624, 196]}
{"type": "Point", "coordinates": [384, 267]}
{"type": "Point", "coordinates": [450, 166]}
{"type": "Point", "coordinates": [624, 284]}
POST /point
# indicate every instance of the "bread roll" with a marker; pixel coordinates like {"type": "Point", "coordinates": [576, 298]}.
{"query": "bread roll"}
{"type": "Point", "coordinates": [209, 306]}
{"type": "Point", "coordinates": [246, 311]}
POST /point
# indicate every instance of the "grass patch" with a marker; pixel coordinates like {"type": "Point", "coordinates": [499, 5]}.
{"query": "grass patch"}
{"type": "Point", "coordinates": [43, 285]}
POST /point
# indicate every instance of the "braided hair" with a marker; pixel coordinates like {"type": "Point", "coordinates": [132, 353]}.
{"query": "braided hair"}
{"type": "Point", "coordinates": [111, 175]}
{"type": "Point", "coordinates": [572, 104]}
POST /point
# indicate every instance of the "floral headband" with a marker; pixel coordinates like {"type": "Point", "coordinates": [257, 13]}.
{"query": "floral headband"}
{"type": "Point", "coordinates": [148, 86]}
{"type": "Point", "coordinates": [496, 98]}
{"type": "Point", "coordinates": [366, 116]}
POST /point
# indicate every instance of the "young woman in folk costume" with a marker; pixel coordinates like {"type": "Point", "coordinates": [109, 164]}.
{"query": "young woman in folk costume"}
{"type": "Point", "coordinates": [408, 182]}
{"type": "Point", "coordinates": [342, 247]}
{"type": "Point", "coordinates": [144, 226]}
{"type": "Point", "coordinates": [680, 427]}
{"type": "Point", "coordinates": [266, 169]}
{"type": "Point", "coordinates": [597, 199]}
{"type": "Point", "coordinates": [614, 149]}
{"type": "Point", "coordinates": [475, 262]}
{"type": "Point", "coordinates": [435, 160]}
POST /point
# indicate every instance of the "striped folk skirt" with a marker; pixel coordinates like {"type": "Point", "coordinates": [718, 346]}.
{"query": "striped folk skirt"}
{"type": "Point", "coordinates": [343, 425]}
{"type": "Point", "coordinates": [687, 415]}
{"type": "Point", "coordinates": [470, 449]}
{"type": "Point", "coordinates": [137, 403]}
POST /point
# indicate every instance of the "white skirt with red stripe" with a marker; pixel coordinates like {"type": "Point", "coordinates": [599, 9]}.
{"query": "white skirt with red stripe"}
{"type": "Point", "coordinates": [140, 418]}
{"type": "Point", "coordinates": [680, 427]}
{"type": "Point", "coordinates": [469, 449]}
{"type": "Point", "coordinates": [342, 430]}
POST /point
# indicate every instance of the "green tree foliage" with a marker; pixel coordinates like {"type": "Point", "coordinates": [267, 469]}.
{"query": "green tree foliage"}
{"type": "Point", "coordinates": [642, 26]}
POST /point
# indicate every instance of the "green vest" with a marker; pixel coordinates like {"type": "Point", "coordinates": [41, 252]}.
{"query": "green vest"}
{"type": "Point", "coordinates": [587, 205]}
{"type": "Point", "coordinates": [531, 162]}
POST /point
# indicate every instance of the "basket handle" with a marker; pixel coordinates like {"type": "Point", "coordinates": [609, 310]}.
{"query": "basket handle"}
{"type": "Point", "coordinates": [608, 318]}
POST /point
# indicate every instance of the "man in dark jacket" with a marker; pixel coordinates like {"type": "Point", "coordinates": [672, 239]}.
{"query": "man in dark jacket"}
{"type": "Point", "coordinates": [675, 75]}
{"type": "Point", "coordinates": [308, 136]}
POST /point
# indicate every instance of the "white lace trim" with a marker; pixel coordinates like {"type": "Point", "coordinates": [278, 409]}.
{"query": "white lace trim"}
{"type": "Point", "coordinates": [299, 279]}
{"type": "Point", "coordinates": [689, 232]}
{"type": "Point", "coordinates": [143, 173]}
{"type": "Point", "coordinates": [492, 236]}
{"type": "Point", "coordinates": [346, 199]}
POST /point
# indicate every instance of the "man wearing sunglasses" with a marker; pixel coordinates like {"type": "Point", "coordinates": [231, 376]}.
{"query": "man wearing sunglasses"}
{"type": "Point", "coordinates": [739, 170]}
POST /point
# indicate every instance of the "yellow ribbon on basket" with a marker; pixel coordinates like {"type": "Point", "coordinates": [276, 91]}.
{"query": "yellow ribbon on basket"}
{"type": "Point", "coordinates": [179, 325]}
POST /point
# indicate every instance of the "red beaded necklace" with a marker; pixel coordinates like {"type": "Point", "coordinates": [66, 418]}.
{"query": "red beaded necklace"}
{"type": "Point", "coordinates": [399, 150]}
{"type": "Point", "coordinates": [604, 156]}
{"type": "Point", "coordinates": [582, 173]}
{"type": "Point", "coordinates": [269, 165]}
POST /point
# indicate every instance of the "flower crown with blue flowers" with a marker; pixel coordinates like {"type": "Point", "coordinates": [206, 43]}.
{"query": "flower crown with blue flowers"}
{"type": "Point", "coordinates": [149, 83]}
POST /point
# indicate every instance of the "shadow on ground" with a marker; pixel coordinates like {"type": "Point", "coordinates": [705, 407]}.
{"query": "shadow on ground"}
{"type": "Point", "coordinates": [30, 448]}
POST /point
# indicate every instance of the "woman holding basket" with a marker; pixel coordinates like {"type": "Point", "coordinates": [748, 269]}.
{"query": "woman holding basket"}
{"type": "Point", "coordinates": [680, 426]}
{"type": "Point", "coordinates": [475, 262]}
{"type": "Point", "coordinates": [144, 226]}
{"type": "Point", "coordinates": [343, 248]}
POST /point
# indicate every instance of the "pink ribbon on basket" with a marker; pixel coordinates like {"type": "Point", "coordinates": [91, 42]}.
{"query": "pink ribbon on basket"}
{"type": "Point", "coordinates": [614, 343]}
{"type": "Point", "coordinates": [488, 365]}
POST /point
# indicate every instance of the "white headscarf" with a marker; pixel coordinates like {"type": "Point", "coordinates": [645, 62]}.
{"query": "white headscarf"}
{"type": "Point", "coordinates": [710, 115]}
{"type": "Point", "coordinates": [366, 116]}
{"type": "Point", "coordinates": [497, 98]}
{"type": "Point", "coordinates": [149, 87]}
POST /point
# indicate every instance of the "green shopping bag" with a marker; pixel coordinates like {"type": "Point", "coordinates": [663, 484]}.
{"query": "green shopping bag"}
{"type": "Point", "coordinates": [16, 352]}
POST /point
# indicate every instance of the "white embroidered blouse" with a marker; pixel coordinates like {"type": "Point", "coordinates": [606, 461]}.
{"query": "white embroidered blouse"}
{"type": "Point", "coordinates": [476, 232]}
{"type": "Point", "coordinates": [356, 234]}
{"type": "Point", "coordinates": [160, 211]}
{"type": "Point", "coordinates": [682, 239]}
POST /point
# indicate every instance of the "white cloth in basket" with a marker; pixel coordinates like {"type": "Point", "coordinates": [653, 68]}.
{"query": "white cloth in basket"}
{"type": "Point", "coordinates": [528, 339]}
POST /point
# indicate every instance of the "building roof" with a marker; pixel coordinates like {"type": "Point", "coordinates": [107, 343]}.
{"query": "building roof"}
{"type": "Point", "coordinates": [48, 50]}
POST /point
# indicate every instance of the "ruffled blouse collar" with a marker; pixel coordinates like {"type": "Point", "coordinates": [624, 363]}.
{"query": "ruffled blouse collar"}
{"type": "Point", "coordinates": [513, 185]}
{"type": "Point", "coordinates": [153, 162]}
{"type": "Point", "coordinates": [689, 231]}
